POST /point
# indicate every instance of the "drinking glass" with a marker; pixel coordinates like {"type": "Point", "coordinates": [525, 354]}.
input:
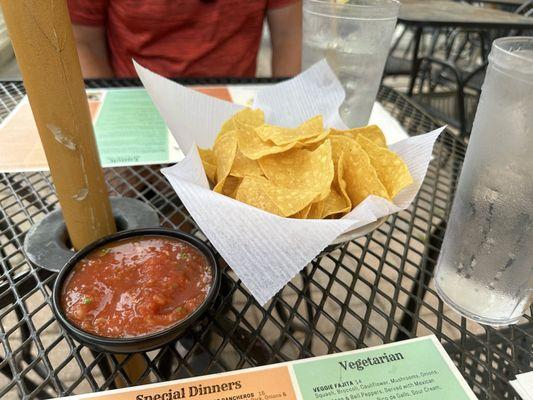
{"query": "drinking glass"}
{"type": "Point", "coordinates": [485, 271]}
{"type": "Point", "coordinates": [354, 37]}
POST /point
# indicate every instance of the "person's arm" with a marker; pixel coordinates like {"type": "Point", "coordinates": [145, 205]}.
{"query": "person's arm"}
{"type": "Point", "coordinates": [92, 51]}
{"type": "Point", "coordinates": [285, 24]}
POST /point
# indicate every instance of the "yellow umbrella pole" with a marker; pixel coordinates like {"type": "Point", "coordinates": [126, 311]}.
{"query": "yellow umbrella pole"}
{"type": "Point", "coordinates": [44, 46]}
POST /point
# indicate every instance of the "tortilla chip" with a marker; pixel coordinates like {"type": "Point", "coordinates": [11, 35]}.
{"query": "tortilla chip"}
{"type": "Point", "coordinates": [339, 144]}
{"type": "Point", "coordinates": [246, 116]}
{"type": "Point", "coordinates": [253, 147]}
{"type": "Point", "coordinates": [261, 193]}
{"type": "Point", "coordinates": [301, 169]}
{"type": "Point", "coordinates": [282, 136]}
{"type": "Point", "coordinates": [302, 214]}
{"type": "Point", "coordinates": [371, 132]}
{"type": "Point", "coordinates": [391, 169]}
{"type": "Point", "coordinates": [314, 140]}
{"type": "Point", "coordinates": [231, 185]}
{"type": "Point", "coordinates": [243, 166]}
{"type": "Point", "coordinates": [224, 150]}
{"type": "Point", "coordinates": [209, 162]}
{"type": "Point", "coordinates": [335, 203]}
{"type": "Point", "coordinates": [251, 191]}
{"type": "Point", "coordinates": [339, 184]}
{"type": "Point", "coordinates": [360, 176]}
{"type": "Point", "coordinates": [316, 211]}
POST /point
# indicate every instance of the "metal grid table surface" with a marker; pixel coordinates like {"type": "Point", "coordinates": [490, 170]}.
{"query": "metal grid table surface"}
{"type": "Point", "coordinates": [374, 290]}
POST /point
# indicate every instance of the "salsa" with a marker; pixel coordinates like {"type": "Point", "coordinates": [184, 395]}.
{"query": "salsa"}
{"type": "Point", "coordinates": [136, 286]}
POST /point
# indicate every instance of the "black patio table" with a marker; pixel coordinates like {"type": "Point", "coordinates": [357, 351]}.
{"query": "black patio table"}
{"type": "Point", "coordinates": [422, 14]}
{"type": "Point", "coordinates": [374, 290]}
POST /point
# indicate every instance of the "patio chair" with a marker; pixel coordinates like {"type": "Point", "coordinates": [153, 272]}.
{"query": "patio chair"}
{"type": "Point", "coordinates": [448, 84]}
{"type": "Point", "coordinates": [400, 60]}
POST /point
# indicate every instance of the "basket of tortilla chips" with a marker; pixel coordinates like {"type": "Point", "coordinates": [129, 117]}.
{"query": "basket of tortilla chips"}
{"type": "Point", "coordinates": [272, 189]}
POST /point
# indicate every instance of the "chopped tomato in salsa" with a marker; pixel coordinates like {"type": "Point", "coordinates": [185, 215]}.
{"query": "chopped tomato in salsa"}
{"type": "Point", "coordinates": [136, 286]}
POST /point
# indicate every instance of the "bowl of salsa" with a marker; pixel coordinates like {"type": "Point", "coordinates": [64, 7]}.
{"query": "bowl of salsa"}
{"type": "Point", "coordinates": [136, 290]}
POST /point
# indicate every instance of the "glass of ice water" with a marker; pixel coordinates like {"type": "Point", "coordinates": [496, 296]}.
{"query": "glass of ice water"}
{"type": "Point", "coordinates": [485, 268]}
{"type": "Point", "coordinates": [354, 36]}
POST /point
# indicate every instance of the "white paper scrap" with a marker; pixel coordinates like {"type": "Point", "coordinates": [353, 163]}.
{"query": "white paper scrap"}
{"type": "Point", "coordinates": [524, 385]}
{"type": "Point", "coordinates": [266, 250]}
{"type": "Point", "coordinates": [520, 390]}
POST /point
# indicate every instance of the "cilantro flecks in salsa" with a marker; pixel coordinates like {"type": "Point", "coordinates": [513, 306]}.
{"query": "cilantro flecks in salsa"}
{"type": "Point", "coordinates": [136, 286]}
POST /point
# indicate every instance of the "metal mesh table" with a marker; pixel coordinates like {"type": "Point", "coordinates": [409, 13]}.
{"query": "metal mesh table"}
{"type": "Point", "coordinates": [374, 290]}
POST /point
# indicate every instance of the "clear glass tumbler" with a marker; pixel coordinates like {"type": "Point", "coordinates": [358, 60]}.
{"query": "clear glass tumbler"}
{"type": "Point", "coordinates": [485, 268]}
{"type": "Point", "coordinates": [354, 36]}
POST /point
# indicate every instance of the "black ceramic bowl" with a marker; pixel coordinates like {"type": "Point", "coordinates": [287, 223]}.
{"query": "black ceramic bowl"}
{"type": "Point", "coordinates": [145, 342]}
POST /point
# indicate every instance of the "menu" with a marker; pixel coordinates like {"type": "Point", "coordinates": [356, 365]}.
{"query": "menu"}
{"type": "Point", "coordinates": [128, 131]}
{"type": "Point", "coordinates": [417, 369]}
{"type": "Point", "coordinates": [130, 115]}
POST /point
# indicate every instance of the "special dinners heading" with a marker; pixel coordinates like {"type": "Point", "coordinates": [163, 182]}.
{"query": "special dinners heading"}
{"type": "Point", "coordinates": [198, 390]}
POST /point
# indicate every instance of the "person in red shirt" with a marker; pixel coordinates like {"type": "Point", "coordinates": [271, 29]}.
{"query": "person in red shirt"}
{"type": "Point", "coordinates": [199, 38]}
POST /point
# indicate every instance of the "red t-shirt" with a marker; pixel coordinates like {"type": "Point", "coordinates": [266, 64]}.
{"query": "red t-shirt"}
{"type": "Point", "coordinates": [179, 37]}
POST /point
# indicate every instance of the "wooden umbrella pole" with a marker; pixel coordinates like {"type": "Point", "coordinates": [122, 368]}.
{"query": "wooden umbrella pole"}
{"type": "Point", "coordinates": [46, 53]}
{"type": "Point", "coordinates": [44, 46]}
